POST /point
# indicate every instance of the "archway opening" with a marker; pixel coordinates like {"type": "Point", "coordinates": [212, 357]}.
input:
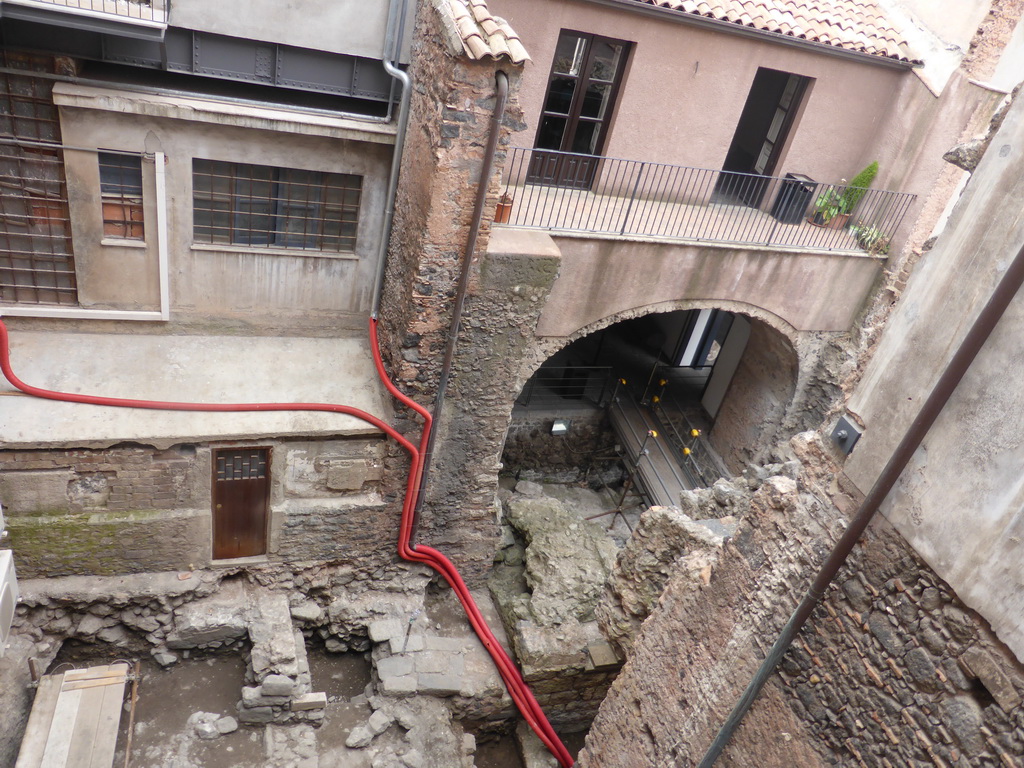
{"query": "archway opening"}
{"type": "Point", "coordinates": [665, 402]}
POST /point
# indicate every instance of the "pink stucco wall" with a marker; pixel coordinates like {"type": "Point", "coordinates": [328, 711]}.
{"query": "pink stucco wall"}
{"type": "Point", "coordinates": [685, 87]}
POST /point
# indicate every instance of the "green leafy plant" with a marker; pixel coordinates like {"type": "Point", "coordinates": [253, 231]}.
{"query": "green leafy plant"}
{"type": "Point", "coordinates": [828, 205]}
{"type": "Point", "coordinates": [871, 239]}
{"type": "Point", "coordinates": [859, 187]}
{"type": "Point", "coordinates": [839, 200]}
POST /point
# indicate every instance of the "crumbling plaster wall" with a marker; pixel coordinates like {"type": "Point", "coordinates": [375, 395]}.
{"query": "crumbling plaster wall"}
{"type": "Point", "coordinates": [891, 670]}
{"type": "Point", "coordinates": [969, 531]}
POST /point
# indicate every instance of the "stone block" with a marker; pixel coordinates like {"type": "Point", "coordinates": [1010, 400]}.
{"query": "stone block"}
{"type": "Point", "coordinates": [449, 644]}
{"type": "Point", "coordinates": [399, 685]}
{"type": "Point", "coordinates": [360, 737]}
{"type": "Point", "coordinates": [32, 492]}
{"type": "Point", "coordinates": [439, 685]}
{"type": "Point", "coordinates": [216, 618]}
{"type": "Point", "coordinates": [602, 655]}
{"type": "Point", "coordinates": [382, 630]}
{"type": "Point", "coordinates": [433, 662]}
{"type": "Point", "coordinates": [256, 715]}
{"type": "Point", "coordinates": [309, 701]}
{"type": "Point", "coordinates": [407, 644]}
{"type": "Point", "coordinates": [307, 611]}
{"type": "Point", "coordinates": [252, 697]}
{"type": "Point", "coordinates": [981, 664]}
{"type": "Point", "coordinates": [164, 659]}
{"type": "Point", "coordinates": [277, 685]}
{"type": "Point", "coordinates": [394, 666]}
{"type": "Point", "coordinates": [379, 722]}
{"type": "Point", "coordinates": [226, 725]}
{"type": "Point", "coordinates": [351, 475]}
{"type": "Point", "coordinates": [89, 625]}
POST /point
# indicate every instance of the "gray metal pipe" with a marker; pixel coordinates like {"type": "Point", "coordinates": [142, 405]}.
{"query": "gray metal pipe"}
{"type": "Point", "coordinates": [968, 350]}
{"type": "Point", "coordinates": [501, 100]}
{"type": "Point", "coordinates": [392, 42]}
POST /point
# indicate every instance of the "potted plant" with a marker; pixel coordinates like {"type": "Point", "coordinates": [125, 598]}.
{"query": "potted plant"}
{"type": "Point", "coordinates": [833, 207]}
{"type": "Point", "coordinates": [503, 212]}
{"type": "Point", "coordinates": [871, 239]}
{"type": "Point", "coordinates": [829, 210]}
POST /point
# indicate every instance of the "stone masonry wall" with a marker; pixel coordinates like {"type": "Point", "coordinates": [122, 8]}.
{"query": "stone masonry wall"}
{"type": "Point", "coordinates": [452, 103]}
{"type": "Point", "coordinates": [135, 508]}
{"type": "Point", "coordinates": [757, 397]}
{"type": "Point", "coordinates": [891, 670]}
{"type": "Point", "coordinates": [530, 445]}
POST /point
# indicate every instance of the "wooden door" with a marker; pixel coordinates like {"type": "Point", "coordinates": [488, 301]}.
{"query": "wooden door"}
{"type": "Point", "coordinates": [241, 500]}
{"type": "Point", "coordinates": [584, 81]}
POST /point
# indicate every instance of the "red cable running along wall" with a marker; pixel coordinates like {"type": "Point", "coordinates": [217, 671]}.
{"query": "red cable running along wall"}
{"type": "Point", "coordinates": [517, 688]}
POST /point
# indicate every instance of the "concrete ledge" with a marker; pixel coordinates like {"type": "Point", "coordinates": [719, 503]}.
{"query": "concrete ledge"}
{"type": "Point", "coordinates": [207, 369]}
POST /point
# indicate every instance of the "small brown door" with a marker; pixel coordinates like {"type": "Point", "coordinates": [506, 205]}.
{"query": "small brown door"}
{"type": "Point", "coordinates": [241, 496]}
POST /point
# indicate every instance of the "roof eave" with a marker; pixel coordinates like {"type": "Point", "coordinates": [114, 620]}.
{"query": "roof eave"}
{"type": "Point", "coordinates": [728, 27]}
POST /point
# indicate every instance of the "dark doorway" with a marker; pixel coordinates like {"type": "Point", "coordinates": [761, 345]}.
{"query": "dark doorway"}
{"type": "Point", "coordinates": [761, 133]}
{"type": "Point", "coordinates": [241, 497]}
{"type": "Point", "coordinates": [584, 82]}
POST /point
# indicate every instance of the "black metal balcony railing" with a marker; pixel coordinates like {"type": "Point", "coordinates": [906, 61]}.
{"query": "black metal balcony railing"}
{"type": "Point", "coordinates": [563, 191]}
{"type": "Point", "coordinates": [140, 10]}
{"type": "Point", "coordinates": [555, 385]}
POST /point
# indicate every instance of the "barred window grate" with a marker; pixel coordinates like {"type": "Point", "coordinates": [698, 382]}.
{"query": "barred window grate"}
{"type": "Point", "coordinates": [264, 206]}
{"type": "Point", "coordinates": [121, 193]}
{"type": "Point", "coordinates": [242, 465]}
{"type": "Point", "coordinates": [36, 258]}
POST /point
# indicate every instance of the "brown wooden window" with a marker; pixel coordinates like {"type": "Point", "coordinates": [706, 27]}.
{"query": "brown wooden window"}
{"type": "Point", "coordinates": [264, 206]}
{"type": "Point", "coordinates": [585, 78]}
{"type": "Point", "coordinates": [121, 193]}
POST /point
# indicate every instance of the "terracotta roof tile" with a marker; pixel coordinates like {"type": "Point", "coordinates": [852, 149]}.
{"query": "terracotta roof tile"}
{"type": "Point", "coordinates": [855, 25]}
{"type": "Point", "coordinates": [484, 34]}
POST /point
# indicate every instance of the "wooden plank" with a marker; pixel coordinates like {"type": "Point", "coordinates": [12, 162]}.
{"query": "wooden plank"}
{"type": "Point", "coordinates": [77, 686]}
{"type": "Point", "coordinates": [86, 723]}
{"type": "Point", "coordinates": [96, 673]}
{"type": "Point", "coordinates": [36, 732]}
{"type": "Point", "coordinates": [108, 727]}
{"type": "Point", "coordinates": [59, 741]}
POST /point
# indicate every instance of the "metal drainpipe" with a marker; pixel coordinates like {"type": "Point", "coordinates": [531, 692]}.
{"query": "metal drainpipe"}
{"type": "Point", "coordinates": [501, 99]}
{"type": "Point", "coordinates": [987, 319]}
{"type": "Point", "coordinates": [393, 39]}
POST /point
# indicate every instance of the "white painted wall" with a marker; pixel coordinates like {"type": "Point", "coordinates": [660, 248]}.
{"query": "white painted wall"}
{"type": "Point", "coordinates": [354, 27]}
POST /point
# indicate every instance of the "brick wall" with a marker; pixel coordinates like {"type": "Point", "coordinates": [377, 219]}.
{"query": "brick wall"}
{"type": "Point", "coordinates": [135, 508]}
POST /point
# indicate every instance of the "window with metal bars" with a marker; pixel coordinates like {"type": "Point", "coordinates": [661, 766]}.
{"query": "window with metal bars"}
{"type": "Point", "coordinates": [241, 465]}
{"type": "Point", "coordinates": [37, 264]}
{"type": "Point", "coordinates": [121, 193]}
{"type": "Point", "coordinates": [264, 206]}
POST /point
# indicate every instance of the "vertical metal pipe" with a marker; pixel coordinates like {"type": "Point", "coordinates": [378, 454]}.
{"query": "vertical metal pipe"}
{"type": "Point", "coordinates": [965, 354]}
{"type": "Point", "coordinates": [162, 248]}
{"type": "Point", "coordinates": [392, 42]}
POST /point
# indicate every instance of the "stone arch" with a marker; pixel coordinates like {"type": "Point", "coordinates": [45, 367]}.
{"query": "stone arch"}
{"type": "Point", "coordinates": [760, 398]}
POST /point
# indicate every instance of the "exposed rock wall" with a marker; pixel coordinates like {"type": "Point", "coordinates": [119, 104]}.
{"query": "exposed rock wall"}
{"type": "Point", "coordinates": [530, 445]}
{"type": "Point", "coordinates": [452, 103]}
{"type": "Point", "coordinates": [757, 398]}
{"type": "Point", "coordinates": [891, 670]}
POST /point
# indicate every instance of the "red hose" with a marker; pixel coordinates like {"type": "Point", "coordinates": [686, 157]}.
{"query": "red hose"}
{"type": "Point", "coordinates": [520, 692]}
{"type": "Point", "coordinates": [517, 688]}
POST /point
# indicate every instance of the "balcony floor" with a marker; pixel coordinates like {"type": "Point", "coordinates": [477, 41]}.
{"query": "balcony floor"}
{"type": "Point", "coordinates": [560, 209]}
